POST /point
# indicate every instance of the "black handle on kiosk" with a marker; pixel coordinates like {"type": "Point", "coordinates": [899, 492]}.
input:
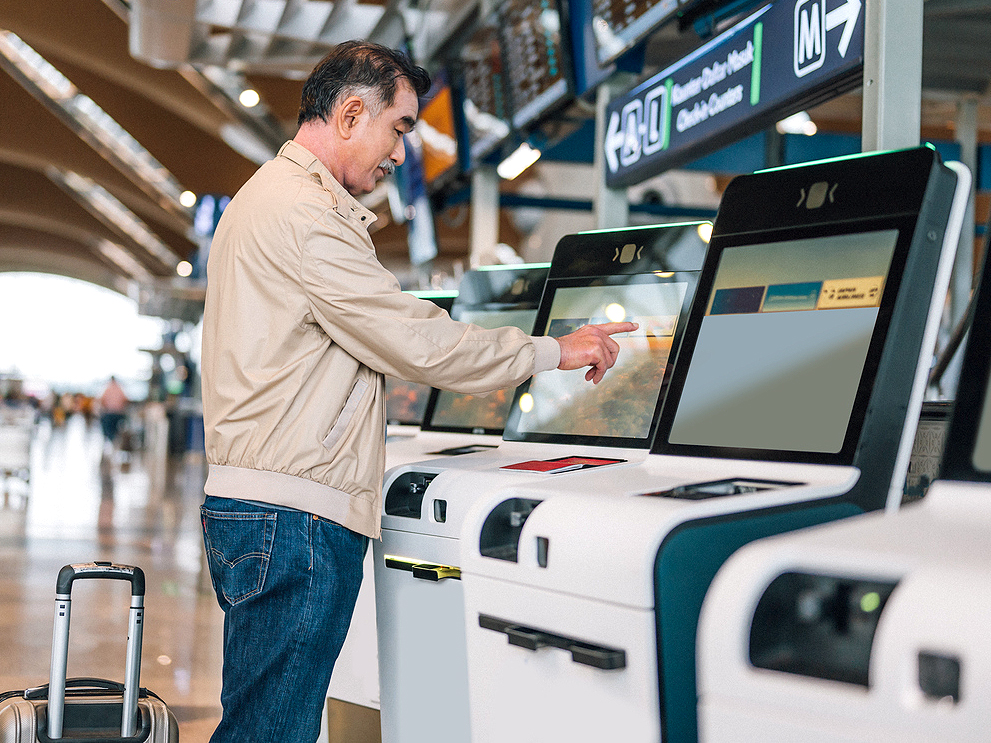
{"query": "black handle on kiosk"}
{"type": "Point", "coordinates": [588, 654]}
{"type": "Point", "coordinates": [60, 641]}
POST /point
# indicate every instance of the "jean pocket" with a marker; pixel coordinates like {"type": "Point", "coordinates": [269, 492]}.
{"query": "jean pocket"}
{"type": "Point", "coordinates": [239, 548]}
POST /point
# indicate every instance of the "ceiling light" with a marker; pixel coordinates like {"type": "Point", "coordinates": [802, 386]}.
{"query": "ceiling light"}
{"type": "Point", "coordinates": [520, 160]}
{"type": "Point", "coordinates": [249, 98]}
{"type": "Point", "coordinates": [799, 123]}
{"type": "Point", "coordinates": [187, 199]}
{"type": "Point", "coordinates": [184, 268]}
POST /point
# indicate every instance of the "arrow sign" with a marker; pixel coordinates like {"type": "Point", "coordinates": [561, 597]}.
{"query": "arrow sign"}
{"type": "Point", "coordinates": [845, 15]}
{"type": "Point", "coordinates": [614, 140]}
{"type": "Point", "coordinates": [771, 64]}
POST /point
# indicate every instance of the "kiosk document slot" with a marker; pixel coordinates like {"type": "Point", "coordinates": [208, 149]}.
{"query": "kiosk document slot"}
{"type": "Point", "coordinates": [793, 402]}
{"type": "Point", "coordinates": [568, 428]}
{"type": "Point", "coordinates": [498, 296]}
{"type": "Point", "coordinates": [874, 628]}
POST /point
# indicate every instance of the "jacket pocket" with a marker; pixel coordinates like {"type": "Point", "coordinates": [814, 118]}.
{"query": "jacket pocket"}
{"type": "Point", "coordinates": [347, 413]}
{"type": "Point", "coordinates": [239, 547]}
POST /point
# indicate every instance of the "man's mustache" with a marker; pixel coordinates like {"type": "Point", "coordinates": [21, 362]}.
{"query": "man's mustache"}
{"type": "Point", "coordinates": [388, 167]}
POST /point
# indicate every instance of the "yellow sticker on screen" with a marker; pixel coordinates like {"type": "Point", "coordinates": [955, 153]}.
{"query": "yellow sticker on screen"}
{"type": "Point", "coordinates": [847, 293]}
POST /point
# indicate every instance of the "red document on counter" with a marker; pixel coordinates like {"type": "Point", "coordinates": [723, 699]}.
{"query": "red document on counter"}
{"type": "Point", "coordinates": [561, 464]}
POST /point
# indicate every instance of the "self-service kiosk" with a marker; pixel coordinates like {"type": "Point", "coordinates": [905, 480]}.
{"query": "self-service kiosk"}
{"type": "Point", "coordinates": [644, 274]}
{"type": "Point", "coordinates": [872, 629]}
{"type": "Point", "coordinates": [432, 422]}
{"type": "Point", "coordinates": [793, 402]}
{"type": "Point", "coordinates": [355, 678]}
{"type": "Point", "coordinates": [455, 423]}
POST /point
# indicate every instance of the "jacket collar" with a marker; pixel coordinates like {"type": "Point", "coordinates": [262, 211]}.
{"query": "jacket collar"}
{"type": "Point", "coordinates": [347, 205]}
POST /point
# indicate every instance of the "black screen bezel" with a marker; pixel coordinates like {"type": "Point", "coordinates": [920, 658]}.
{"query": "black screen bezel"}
{"type": "Point", "coordinates": [434, 400]}
{"type": "Point", "coordinates": [649, 22]}
{"type": "Point", "coordinates": [905, 224]}
{"type": "Point", "coordinates": [489, 289]}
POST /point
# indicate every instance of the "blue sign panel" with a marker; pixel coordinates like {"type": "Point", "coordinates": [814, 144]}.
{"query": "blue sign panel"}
{"type": "Point", "coordinates": [788, 55]}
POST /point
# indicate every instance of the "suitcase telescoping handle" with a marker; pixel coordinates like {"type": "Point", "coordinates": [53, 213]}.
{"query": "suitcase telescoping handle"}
{"type": "Point", "coordinates": [60, 641]}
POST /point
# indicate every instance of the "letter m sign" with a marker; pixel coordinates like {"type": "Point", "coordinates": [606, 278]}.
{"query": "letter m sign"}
{"type": "Point", "coordinates": [810, 36]}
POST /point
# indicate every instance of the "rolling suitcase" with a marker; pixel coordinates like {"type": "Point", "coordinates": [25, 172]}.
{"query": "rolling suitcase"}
{"type": "Point", "coordinates": [87, 709]}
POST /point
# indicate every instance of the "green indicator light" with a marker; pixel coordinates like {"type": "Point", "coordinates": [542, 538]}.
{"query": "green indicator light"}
{"type": "Point", "coordinates": [666, 137]}
{"type": "Point", "coordinates": [512, 267]}
{"type": "Point", "coordinates": [842, 158]}
{"type": "Point", "coordinates": [869, 602]}
{"type": "Point", "coordinates": [431, 293]}
{"type": "Point", "coordinates": [640, 227]}
{"type": "Point", "coordinates": [755, 66]}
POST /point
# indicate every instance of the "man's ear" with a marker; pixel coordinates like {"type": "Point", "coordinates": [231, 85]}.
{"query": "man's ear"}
{"type": "Point", "coordinates": [348, 114]}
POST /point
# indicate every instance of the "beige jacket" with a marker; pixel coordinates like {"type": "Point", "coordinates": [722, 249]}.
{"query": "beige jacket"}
{"type": "Point", "coordinates": [301, 323]}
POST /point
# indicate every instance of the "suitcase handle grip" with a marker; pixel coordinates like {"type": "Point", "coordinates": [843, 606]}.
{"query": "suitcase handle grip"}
{"type": "Point", "coordinates": [41, 692]}
{"type": "Point", "coordinates": [100, 569]}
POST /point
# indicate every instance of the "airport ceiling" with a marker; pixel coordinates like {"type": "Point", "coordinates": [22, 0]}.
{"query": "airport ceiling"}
{"type": "Point", "coordinates": [168, 72]}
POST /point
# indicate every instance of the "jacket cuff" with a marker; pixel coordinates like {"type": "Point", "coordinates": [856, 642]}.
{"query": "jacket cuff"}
{"type": "Point", "coordinates": [546, 353]}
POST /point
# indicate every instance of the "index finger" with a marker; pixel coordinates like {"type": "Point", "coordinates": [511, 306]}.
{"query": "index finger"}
{"type": "Point", "coordinates": [618, 327]}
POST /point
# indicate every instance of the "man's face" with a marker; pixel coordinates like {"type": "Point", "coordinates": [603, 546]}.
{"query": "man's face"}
{"type": "Point", "coordinates": [377, 145]}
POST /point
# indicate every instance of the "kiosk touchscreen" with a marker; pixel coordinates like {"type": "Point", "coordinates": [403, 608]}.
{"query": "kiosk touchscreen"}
{"type": "Point", "coordinates": [878, 624]}
{"type": "Point", "coordinates": [454, 423]}
{"type": "Point", "coordinates": [793, 402]}
{"type": "Point", "coordinates": [406, 402]}
{"type": "Point", "coordinates": [645, 274]}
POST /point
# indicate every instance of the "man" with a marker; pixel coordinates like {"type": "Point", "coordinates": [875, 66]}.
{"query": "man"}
{"type": "Point", "coordinates": [301, 323]}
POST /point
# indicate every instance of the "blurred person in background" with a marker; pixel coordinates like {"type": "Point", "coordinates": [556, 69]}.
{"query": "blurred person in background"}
{"type": "Point", "coordinates": [113, 410]}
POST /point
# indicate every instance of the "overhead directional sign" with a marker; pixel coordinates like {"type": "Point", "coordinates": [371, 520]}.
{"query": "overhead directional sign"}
{"type": "Point", "coordinates": [788, 55]}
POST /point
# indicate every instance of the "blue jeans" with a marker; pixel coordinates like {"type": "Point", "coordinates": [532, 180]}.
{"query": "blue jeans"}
{"type": "Point", "coordinates": [287, 582]}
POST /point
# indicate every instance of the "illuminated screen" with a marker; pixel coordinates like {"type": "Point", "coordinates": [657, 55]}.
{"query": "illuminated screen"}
{"type": "Point", "coordinates": [453, 410]}
{"type": "Point", "coordinates": [622, 404]}
{"type": "Point", "coordinates": [532, 39]}
{"type": "Point", "coordinates": [784, 342]}
{"type": "Point", "coordinates": [486, 110]}
{"type": "Point", "coordinates": [618, 24]}
{"type": "Point", "coordinates": [405, 402]}
{"type": "Point", "coordinates": [436, 128]}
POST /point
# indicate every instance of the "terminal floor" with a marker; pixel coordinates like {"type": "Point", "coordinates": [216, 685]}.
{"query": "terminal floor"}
{"type": "Point", "coordinates": [83, 505]}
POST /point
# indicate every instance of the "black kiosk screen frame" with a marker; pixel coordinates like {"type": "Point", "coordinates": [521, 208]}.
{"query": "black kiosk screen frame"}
{"type": "Point", "coordinates": [490, 297]}
{"type": "Point", "coordinates": [639, 260]}
{"type": "Point", "coordinates": [898, 228]}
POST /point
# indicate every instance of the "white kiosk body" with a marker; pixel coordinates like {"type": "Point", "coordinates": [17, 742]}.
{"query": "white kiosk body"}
{"type": "Point", "coordinates": [873, 629]}
{"type": "Point", "coordinates": [794, 401]}
{"type": "Point", "coordinates": [648, 274]}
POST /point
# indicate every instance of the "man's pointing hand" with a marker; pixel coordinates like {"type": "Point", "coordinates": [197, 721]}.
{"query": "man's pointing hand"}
{"type": "Point", "coordinates": [591, 346]}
